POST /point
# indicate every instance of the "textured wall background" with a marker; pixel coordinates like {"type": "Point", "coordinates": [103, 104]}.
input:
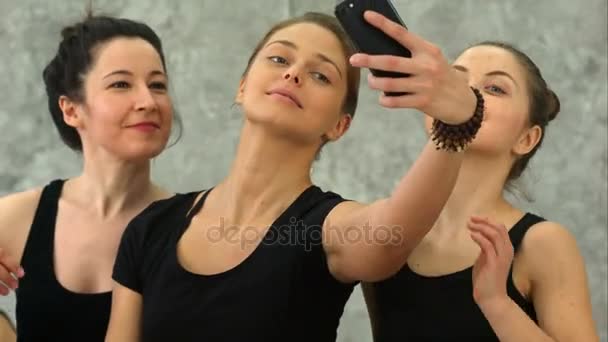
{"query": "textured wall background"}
{"type": "Point", "coordinates": [208, 42]}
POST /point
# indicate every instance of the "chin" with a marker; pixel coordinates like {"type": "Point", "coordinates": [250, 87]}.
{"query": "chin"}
{"type": "Point", "coordinates": [262, 118]}
{"type": "Point", "coordinates": [271, 115]}
{"type": "Point", "coordinates": [284, 122]}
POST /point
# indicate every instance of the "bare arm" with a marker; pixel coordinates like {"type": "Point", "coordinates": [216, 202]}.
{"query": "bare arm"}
{"type": "Point", "coordinates": [7, 330]}
{"type": "Point", "coordinates": [354, 235]}
{"type": "Point", "coordinates": [559, 291]}
{"type": "Point", "coordinates": [372, 242]}
{"type": "Point", "coordinates": [16, 216]}
{"type": "Point", "coordinates": [125, 319]}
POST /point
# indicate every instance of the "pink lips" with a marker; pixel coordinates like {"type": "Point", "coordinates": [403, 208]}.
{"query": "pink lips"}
{"type": "Point", "coordinates": [145, 126]}
{"type": "Point", "coordinates": [286, 94]}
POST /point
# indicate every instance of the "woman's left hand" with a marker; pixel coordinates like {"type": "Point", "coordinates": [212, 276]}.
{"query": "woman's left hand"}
{"type": "Point", "coordinates": [433, 87]}
{"type": "Point", "coordinates": [491, 269]}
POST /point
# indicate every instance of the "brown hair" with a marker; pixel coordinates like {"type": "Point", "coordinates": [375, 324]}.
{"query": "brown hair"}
{"type": "Point", "coordinates": [543, 107]}
{"type": "Point", "coordinates": [331, 24]}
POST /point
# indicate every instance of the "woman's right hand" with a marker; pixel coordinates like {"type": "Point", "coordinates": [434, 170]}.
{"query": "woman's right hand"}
{"type": "Point", "coordinates": [434, 86]}
{"type": "Point", "coordinates": [10, 273]}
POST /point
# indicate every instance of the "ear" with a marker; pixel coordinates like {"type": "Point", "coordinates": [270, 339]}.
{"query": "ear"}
{"type": "Point", "coordinates": [340, 128]}
{"type": "Point", "coordinates": [239, 95]}
{"type": "Point", "coordinates": [528, 140]}
{"type": "Point", "coordinates": [72, 113]}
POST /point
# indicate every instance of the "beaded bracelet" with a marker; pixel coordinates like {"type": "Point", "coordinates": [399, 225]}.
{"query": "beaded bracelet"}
{"type": "Point", "coordinates": [455, 138]}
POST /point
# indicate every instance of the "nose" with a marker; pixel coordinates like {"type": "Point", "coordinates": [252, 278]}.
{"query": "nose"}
{"type": "Point", "coordinates": [291, 75]}
{"type": "Point", "coordinates": [144, 100]}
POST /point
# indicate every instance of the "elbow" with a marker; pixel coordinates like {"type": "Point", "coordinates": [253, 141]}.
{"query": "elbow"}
{"type": "Point", "coordinates": [386, 262]}
{"type": "Point", "coordinates": [367, 264]}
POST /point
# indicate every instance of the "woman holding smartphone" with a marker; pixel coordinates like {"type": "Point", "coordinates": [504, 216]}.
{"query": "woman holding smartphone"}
{"type": "Point", "coordinates": [265, 255]}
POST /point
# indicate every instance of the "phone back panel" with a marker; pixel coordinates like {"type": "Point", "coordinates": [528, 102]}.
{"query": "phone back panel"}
{"type": "Point", "coordinates": [367, 38]}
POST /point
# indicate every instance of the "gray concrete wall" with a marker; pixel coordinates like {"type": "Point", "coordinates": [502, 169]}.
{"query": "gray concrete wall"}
{"type": "Point", "coordinates": [208, 41]}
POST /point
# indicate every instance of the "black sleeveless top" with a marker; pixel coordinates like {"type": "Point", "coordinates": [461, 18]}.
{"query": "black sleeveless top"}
{"type": "Point", "coordinates": [413, 307]}
{"type": "Point", "coordinates": [46, 311]}
{"type": "Point", "coordinates": [283, 291]}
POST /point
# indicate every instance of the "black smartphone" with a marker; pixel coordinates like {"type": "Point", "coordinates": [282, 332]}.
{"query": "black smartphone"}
{"type": "Point", "coordinates": [367, 38]}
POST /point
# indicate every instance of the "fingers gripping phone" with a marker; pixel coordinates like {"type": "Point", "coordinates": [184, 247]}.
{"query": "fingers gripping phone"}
{"type": "Point", "coordinates": [367, 38]}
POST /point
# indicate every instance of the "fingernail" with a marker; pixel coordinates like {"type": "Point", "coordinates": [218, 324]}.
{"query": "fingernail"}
{"type": "Point", "coordinates": [20, 272]}
{"type": "Point", "coordinates": [355, 59]}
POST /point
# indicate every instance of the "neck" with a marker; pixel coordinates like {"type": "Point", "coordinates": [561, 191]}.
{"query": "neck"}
{"type": "Point", "coordinates": [111, 187]}
{"type": "Point", "coordinates": [268, 173]}
{"type": "Point", "coordinates": [478, 191]}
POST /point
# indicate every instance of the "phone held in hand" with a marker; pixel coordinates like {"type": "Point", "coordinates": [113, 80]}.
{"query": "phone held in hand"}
{"type": "Point", "coordinates": [367, 38]}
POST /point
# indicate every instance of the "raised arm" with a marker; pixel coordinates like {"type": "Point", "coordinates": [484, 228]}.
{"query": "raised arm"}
{"type": "Point", "coordinates": [438, 90]}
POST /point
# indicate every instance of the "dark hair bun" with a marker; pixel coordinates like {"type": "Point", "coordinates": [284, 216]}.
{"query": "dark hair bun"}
{"type": "Point", "coordinates": [553, 105]}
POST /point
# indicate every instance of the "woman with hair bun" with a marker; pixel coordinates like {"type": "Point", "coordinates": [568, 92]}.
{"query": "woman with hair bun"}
{"type": "Point", "coordinates": [107, 90]}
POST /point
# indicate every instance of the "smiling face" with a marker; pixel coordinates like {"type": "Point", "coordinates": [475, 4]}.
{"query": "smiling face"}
{"type": "Point", "coordinates": [297, 83]}
{"type": "Point", "coordinates": [126, 111]}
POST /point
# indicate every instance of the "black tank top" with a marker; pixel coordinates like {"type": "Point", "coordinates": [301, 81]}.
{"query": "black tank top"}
{"type": "Point", "coordinates": [282, 292]}
{"type": "Point", "coordinates": [46, 311]}
{"type": "Point", "coordinates": [412, 307]}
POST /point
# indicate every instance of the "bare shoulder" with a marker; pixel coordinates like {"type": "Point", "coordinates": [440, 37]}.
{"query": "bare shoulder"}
{"type": "Point", "coordinates": [160, 193]}
{"type": "Point", "coordinates": [16, 215]}
{"type": "Point", "coordinates": [559, 282]}
{"type": "Point", "coordinates": [549, 248]}
{"type": "Point", "coordinates": [548, 237]}
{"type": "Point", "coordinates": [19, 203]}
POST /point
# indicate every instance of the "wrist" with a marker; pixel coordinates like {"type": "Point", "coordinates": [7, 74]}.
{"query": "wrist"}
{"type": "Point", "coordinates": [495, 307]}
{"type": "Point", "coordinates": [457, 137]}
{"type": "Point", "coordinates": [472, 101]}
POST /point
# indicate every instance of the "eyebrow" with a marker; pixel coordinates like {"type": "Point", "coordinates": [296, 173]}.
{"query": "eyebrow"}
{"type": "Point", "coordinates": [491, 73]}
{"type": "Point", "coordinates": [128, 73]}
{"type": "Point", "coordinates": [319, 55]}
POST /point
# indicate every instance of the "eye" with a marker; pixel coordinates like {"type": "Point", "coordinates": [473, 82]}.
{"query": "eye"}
{"type": "Point", "coordinates": [158, 86]}
{"type": "Point", "coordinates": [120, 85]}
{"type": "Point", "coordinates": [495, 89]}
{"type": "Point", "coordinates": [278, 59]}
{"type": "Point", "coordinates": [319, 76]}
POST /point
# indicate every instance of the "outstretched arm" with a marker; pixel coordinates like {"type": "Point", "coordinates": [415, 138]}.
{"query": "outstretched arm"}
{"type": "Point", "coordinates": [437, 89]}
